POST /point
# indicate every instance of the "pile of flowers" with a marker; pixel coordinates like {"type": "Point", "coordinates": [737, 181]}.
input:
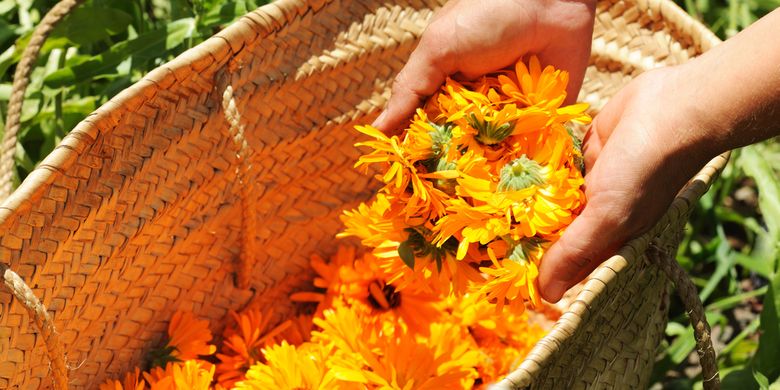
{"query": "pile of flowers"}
{"type": "Point", "coordinates": [485, 178]}
{"type": "Point", "coordinates": [361, 333]}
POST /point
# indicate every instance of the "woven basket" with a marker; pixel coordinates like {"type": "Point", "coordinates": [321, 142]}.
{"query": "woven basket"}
{"type": "Point", "coordinates": [207, 185]}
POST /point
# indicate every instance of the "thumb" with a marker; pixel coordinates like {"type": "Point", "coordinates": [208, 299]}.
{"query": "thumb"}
{"type": "Point", "coordinates": [589, 240]}
{"type": "Point", "coordinates": [422, 75]}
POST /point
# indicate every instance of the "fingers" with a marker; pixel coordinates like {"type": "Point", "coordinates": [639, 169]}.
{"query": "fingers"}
{"type": "Point", "coordinates": [601, 129]}
{"type": "Point", "coordinates": [588, 241]}
{"type": "Point", "coordinates": [420, 77]}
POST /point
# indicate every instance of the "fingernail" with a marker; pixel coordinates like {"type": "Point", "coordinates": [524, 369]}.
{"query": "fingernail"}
{"type": "Point", "coordinates": [379, 119]}
{"type": "Point", "coordinates": [556, 289]}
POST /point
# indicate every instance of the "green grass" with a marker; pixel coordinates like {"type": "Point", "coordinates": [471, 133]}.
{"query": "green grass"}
{"type": "Point", "coordinates": [730, 246]}
{"type": "Point", "coordinates": [103, 47]}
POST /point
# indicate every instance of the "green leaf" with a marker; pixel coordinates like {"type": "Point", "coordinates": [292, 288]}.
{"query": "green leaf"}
{"type": "Point", "coordinates": [6, 31]}
{"type": "Point", "coordinates": [5, 91]}
{"type": "Point", "coordinates": [406, 254]}
{"type": "Point", "coordinates": [763, 382]}
{"type": "Point", "coordinates": [6, 6]}
{"type": "Point", "coordinates": [89, 24]}
{"type": "Point", "coordinates": [768, 354]}
{"type": "Point", "coordinates": [734, 300]}
{"type": "Point", "coordinates": [152, 44]}
{"type": "Point", "coordinates": [741, 379]}
{"type": "Point", "coordinates": [675, 329]}
{"type": "Point", "coordinates": [725, 261]}
{"type": "Point", "coordinates": [758, 161]}
{"type": "Point", "coordinates": [758, 265]}
{"type": "Point", "coordinates": [225, 13]}
{"type": "Point", "coordinates": [682, 346]}
{"type": "Point", "coordinates": [13, 54]}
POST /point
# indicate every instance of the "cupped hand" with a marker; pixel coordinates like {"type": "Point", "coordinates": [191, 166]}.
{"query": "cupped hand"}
{"type": "Point", "coordinates": [474, 37]}
{"type": "Point", "coordinates": [640, 151]}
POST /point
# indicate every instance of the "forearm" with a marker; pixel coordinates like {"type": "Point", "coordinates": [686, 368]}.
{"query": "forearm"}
{"type": "Point", "coordinates": [735, 87]}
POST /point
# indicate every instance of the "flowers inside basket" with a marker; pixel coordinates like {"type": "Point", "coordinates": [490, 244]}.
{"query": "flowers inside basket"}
{"type": "Point", "coordinates": [483, 180]}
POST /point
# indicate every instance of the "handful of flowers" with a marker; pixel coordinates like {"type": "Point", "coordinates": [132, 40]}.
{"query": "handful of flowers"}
{"type": "Point", "coordinates": [485, 178]}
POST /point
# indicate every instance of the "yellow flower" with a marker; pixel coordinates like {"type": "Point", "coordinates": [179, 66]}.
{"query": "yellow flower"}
{"type": "Point", "coordinates": [293, 368]}
{"type": "Point", "coordinates": [402, 174]}
{"type": "Point", "coordinates": [503, 339]}
{"type": "Point", "coordinates": [443, 276]}
{"type": "Point", "coordinates": [244, 338]}
{"type": "Point", "coordinates": [188, 375]}
{"type": "Point", "coordinates": [545, 89]}
{"type": "Point", "coordinates": [393, 359]}
{"type": "Point", "coordinates": [512, 280]}
{"type": "Point", "coordinates": [485, 120]}
{"type": "Point", "coordinates": [533, 86]}
{"type": "Point", "coordinates": [425, 139]}
{"type": "Point", "coordinates": [373, 223]}
{"type": "Point", "coordinates": [132, 381]}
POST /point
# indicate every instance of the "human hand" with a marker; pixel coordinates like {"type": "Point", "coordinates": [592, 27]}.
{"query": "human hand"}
{"type": "Point", "coordinates": [655, 134]}
{"type": "Point", "coordinates": [473, 38]}
{"type": "Point", "coordinates": [646, 143]}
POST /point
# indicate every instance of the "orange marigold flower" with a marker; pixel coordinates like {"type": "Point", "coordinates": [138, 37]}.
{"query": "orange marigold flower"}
{"type": "Point", "coordinates": [484, 164]}
{"type": "Point", "coordinates": [382, 358]}
{"type": "Point", "coordinates": [188, 338]}
{"type": "Point", "coordinates": [132, 381]}
{"type": "Point", "coordinates": [502, 339]}
{"type": "Point", "coordinates": [512, 280]}
{"type": "Point", "coordinates": [374, 223]}
{"type": "Point", "coordinates": [187, 375]}
{"type": "Point", "coordinates": [243, 342]}
{"type": "Point", "coordinates": [402, 173]}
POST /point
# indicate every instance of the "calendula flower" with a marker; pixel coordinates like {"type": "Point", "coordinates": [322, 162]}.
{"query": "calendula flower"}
{"type": "Point", "coordinates": [512, 279]}
{"type": "Point", "coordinates": [188, 339]}
{"type": "Point", "coordinates": [244, 339]}
{"type": "Point", "coordinates": [426, 139]}
{"type": "Point", "coordinates": [532, 86]}
{"type": "Point", "coordinates": [428, 267]}
{"type": "Point", "coordinates": [299, 330]}
{"type": "Point", "coordinates": [291, 368]}
{"type": "Point", "coordinates": [361, 282]}
{"type": "Point", "coordinates": [502, 339]}
{"type": "Point", "coordinates": [392, 359]}
{"type": "Point", "coordinates": [187, 375]}
{"type": "Point", "coordinates": [485, 166]}
{"type": "Point", "coordinates": [132, 381]}
{"type": "Point", "coordinates": [402, 174]}
{"type": "Point", "coordinates": [373, 223]}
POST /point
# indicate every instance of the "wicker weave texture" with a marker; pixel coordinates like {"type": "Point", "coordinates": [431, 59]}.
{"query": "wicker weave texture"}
{"type": "Point", "coordinates": [207, 185]}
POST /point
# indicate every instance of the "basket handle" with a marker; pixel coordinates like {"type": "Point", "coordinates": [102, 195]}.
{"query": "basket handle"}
{"type": "Point", "coordinates": [248, 209]}
{"type": "Point", "coordinates": [16, 286]}
{"type": "Point", "coordinates": [665, 260]}
{"type": "Point", "coordinates": [21, 80]}
{"type": "Point", "coordinates": [12, 282]}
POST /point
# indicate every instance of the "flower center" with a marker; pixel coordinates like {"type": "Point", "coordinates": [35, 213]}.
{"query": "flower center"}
{"type": "Point", "coordinates": [446, 185]}
{"type": "Point", "coordinates": [490, 132]}
{"type": "Point", "coordinates": [383, 296]}
{"type": "Point", "coordinates": [441, 136]}
{"type": "Point", "coordinates": [521, 250]}
{"type": "Point", "coordinates": [520, 174]}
